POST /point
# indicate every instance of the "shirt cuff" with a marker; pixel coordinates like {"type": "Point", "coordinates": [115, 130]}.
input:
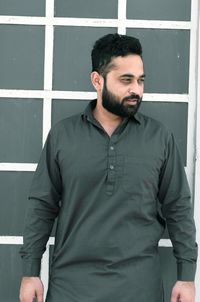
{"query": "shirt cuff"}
{"type": "Point", "coordinates": [31, 268]}
{"type": "Point", "coordinates": [186, 271]}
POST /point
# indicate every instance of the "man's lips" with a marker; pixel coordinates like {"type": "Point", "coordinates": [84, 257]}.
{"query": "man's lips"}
{"type": "Point", "coordinates": [132, 101]}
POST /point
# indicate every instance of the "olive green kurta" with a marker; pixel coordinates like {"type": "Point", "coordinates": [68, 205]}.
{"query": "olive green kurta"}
{"type": "Point", "coordinates": [105, 192]}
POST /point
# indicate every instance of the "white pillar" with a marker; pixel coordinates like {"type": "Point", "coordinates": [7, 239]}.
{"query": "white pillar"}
{"type": "Point", "coordinates": [197, 166]}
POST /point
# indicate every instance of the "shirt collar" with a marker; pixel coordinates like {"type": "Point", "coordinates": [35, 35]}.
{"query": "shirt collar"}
{"type": "Point", "coordinates": [88, 112]}
{"type": "Point", "coordinates": [138, 117]}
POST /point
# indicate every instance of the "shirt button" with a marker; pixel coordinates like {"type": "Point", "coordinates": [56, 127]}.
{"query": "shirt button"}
{"type": "Point", "coordinates": [111, 167]}
{"type": "Point", "coordinates": [112, 148]}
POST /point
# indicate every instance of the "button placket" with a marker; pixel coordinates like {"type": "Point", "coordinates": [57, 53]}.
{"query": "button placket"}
{"type": "Point", "coordinates": [111, 168]}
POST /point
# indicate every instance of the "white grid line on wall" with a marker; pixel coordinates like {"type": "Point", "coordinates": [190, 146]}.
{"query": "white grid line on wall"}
{"type": "Point", "coordinates": [18, 167]}
{"type": "Point", "coordinates": [18, 240]}
{"type": "Point", "coordinates": [122, 17]}
{"type": "Point", "coordinates": [27, 167]}
{"type": "Point", "coordinates": [47, 108]}
{"type": "Point", "coordinates": [48, 69]}
{"type": "Point", "coordinates": [96, 22]}
{"type": "Point", "coordinates": [86, 95]}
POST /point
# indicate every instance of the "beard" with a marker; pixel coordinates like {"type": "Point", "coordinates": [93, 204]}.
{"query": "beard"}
{"type": "Point", "coordinates": [121, 108]}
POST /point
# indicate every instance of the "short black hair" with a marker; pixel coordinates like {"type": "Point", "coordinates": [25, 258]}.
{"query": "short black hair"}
{"type": "Point", "coordinates": [111, 46]}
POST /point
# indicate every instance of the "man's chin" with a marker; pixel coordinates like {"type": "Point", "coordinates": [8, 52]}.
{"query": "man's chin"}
{"type": "Point", "coordinates": [132, 109]}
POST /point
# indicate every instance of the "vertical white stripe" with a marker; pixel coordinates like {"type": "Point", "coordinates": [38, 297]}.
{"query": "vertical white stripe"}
{"type": "Point", "coordinates": [47, 104]}
{"type": "Point", "coordinates": [192, 95]}
{"type": "Point", "coordinates": [48, 66]}
{"type": "Point", "coordinates": [45, 269]}
{"type": "Point", "coordinates": [122, 16]}
{"type": "Point", "coordinates": [197, 170]}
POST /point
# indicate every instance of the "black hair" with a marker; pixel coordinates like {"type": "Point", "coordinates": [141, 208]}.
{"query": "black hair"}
{"type": "Point", "coordinates": [111, 46]}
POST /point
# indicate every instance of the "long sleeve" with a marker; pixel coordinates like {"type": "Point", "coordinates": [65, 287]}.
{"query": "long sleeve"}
{"type": "Point", "coordinates": [174, 195]}
{"type": "Point", "coordinates": [45, 194]}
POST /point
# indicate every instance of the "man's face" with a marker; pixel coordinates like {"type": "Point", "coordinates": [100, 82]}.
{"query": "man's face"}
{"type": "Point", "coordinates": [123, 86]}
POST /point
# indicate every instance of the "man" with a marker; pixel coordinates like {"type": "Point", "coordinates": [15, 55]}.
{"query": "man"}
{"type": "Point", "coordinates": [107, 174]}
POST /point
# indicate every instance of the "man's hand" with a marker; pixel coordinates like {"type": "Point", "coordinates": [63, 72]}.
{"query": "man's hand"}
{"type": "Point", "coordinates": [183, 292]}
{"type": "Point", "coordinates": [31, 287]}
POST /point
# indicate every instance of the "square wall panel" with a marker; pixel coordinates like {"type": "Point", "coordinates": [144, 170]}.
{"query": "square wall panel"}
{"type": "Point", "coordinates": [174, 10]}
{"type": "Point", "coordinates": [14, 188]}
{"type": "Point", "coordinates": [86, 9]}
{"type": "Point", "coordinates": [65, 108]}
{"type": "Point", "coordinates": [10, 273]}
{"type": "Point", "coordinates": [72, 56]}
{"type": "Point", "coordinates": [22, 7]}
{"type": "Point", "coordinates": [20, 130]}
{"type": "Point", "coordinates": [166, 59]}
{"type": "Point", "coordinates": [174, 116]}
{"type": "Point", "coordinates": [21, 57]}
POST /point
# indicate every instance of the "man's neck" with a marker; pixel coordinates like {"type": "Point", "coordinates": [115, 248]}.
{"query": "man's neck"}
{"type": "Point", "coordinates": [107, 120]}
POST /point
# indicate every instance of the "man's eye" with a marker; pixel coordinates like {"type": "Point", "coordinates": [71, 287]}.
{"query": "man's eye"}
{"type": "Point", "coordinates": [141, 81]}
{"type": "Point", "coordinates": [126, 80]}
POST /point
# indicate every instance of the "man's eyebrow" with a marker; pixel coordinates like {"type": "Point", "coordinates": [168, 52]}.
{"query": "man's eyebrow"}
{"type": "Point", "coordinates": [130, 75]}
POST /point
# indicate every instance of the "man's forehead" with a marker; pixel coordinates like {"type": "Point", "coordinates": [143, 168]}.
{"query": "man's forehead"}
{"type": "Point", "coordinates": [129, 57]}
{"type": "Point", "coordinates": [127, 61]}
{"type": "Point", "coordinates": [129, 65]}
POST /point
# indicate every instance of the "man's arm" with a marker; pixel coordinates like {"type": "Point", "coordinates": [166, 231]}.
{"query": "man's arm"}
{"type": "Point", "coordinates": [43, 208]}
{"type": "Point", "coordinates": [174, 196]}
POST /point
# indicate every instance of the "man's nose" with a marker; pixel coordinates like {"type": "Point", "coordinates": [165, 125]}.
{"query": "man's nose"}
{"type": "Point", "coordinates": [135, 88]}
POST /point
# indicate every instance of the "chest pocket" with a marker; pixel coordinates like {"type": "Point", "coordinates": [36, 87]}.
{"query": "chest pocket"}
{"type": "Point", "coordinates": [140, 176]}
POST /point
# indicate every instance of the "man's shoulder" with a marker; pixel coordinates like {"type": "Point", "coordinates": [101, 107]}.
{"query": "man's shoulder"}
{"type": "Point", "coordinates": [67, 124]}
{"type": "Point", "coordinates": [151, 122]}
{"type": "Point", "coordinates": [70, 120]}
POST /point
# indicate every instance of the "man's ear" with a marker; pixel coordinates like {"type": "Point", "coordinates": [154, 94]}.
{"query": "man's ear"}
{"type": "Point", "coordinates": [97, 80]}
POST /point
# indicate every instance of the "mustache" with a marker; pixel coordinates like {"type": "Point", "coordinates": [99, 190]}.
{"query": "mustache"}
{"type": "Point", "coordinates": [133, 96]}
